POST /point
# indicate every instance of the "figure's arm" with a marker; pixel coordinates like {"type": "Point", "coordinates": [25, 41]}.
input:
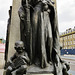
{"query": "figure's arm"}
{"type": "Point", "coordinates": [21, 69]}
{"type": "Point", "coordinates": [13, 57]}
{"type": "Point", "coordinates": [10, 62]}
{"type": "Point", "coordinates": [26, 58]}
{"type": "Point", "coordinates": [47, 2]}
{"type": "Point", "coordinates": [55, 32]}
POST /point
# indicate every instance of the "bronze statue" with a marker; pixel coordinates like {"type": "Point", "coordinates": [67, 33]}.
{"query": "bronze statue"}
{"type": "Point", "coordinates": [39, 32]}
{"type": "Point", "coordinates": [18, 63]}
{"type": "Point", "coordinates": [42, 27]}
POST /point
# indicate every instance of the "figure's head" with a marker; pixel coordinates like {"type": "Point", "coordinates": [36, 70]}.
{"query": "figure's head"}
{"type": "Point", "coordinates": [19, 46]}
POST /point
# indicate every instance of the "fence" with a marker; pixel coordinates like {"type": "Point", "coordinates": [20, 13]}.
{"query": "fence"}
{"type": "Point", "coordinates": [68, 51]}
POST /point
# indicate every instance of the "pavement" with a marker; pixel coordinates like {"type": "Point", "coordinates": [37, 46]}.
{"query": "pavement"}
{"type": "Point", "coordinates": [69, 57]}
{"type": "Point", "coordinates": [2, 60]}
{"type": "Point", "coordinates": [71, 72]}
{"type": "Point", "coordinates": [2, 50]}
{"type": "Point", "coordinates": [1, 63]}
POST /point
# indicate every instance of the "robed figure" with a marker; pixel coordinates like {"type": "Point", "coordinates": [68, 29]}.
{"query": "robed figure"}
{"type": "Point", "coordinates": [43, 35]}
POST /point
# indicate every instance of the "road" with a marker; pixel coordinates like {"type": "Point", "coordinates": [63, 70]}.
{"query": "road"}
{"type": "Point", "coordinates": [71, 60]}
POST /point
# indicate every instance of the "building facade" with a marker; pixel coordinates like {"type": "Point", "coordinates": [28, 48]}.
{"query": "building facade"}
{"type": "Point", "coordinates": [2, 40]}
{"type": "Point", "coordinates": [67, 39]}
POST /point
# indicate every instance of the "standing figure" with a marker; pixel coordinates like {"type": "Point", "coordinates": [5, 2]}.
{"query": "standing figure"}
{"type": "Point", "coordinates": [44, 33]}
{"type": "Point", "coordinates": [25, 25]}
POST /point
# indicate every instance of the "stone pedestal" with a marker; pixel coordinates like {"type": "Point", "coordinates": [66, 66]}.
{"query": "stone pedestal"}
{"type": "Point", "coordinates": [34, 69]}
{"type": "Point", "coordinates": [14, 27]}
{"type": "Point", "coordinates": [38, 74]}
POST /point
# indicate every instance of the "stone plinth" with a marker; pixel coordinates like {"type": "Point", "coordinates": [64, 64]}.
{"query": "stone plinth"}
{"type": "Point", "coordinates": [36, 70]}
{"type": "Point", "coordinates": [33, 69]}
{"type": "Point", "coordinates": [38, 74]}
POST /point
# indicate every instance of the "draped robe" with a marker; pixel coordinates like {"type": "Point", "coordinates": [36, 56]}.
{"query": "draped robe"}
{"type": "Point", "coordinates": [44, 36]}
{"type": "Point", "coordinates": [44, 33]}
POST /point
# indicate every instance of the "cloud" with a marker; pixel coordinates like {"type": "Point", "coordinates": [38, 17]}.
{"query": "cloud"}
{"type": "Point", "coordinates": [65, 10]}
{"type": "Point", "coordinates": [3, 28]}
{"type": "Point", "coordinates": [4, 7]}
{"type": "Point", "coordinates": [66, 25]}
{"type": "Point", "coordinates": [66, 14]}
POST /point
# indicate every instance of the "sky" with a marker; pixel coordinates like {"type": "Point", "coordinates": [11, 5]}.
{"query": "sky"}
{"type": "Point", "coordinates": [65, 13]}
{"type": "Point", "coordinates": [4, 7]}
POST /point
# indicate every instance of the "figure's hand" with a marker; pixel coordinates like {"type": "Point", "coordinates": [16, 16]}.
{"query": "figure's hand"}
{"type": "Point", "coordinates": [13, 73]}
{"type": "Point", "coordinates": [10, 61]}
{"type": "Point", "coordinates": [48, 2]}
{"type": "Point", "coordinates": [45, 5]}
{"type": "Point", "coordinates": [21, 13]}
{"type": "Point", "coordinates": [67, 65]}
{"type": "Point", "coordinates": [9, 68]}
{"type": "Point", "coordinates": [44, 2]}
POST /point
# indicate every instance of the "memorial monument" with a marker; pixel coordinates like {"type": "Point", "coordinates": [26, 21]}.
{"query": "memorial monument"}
{"type": "Point", "coordinates": [35, 24]}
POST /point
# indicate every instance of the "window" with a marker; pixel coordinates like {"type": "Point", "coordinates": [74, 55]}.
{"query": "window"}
{"type": "Point", "coordinates": [71, 42]}
{"type": "Point", "coordinates": [66, 47]}
{"type": "Point", "coordinates": [68, 42]}
{"type": "Point", "coordinates": [64, 43]}
{"type": "Point", "coordinates": [74, 42]}
{"type": "Point", "coordinates": [73, 35]}
{"type": "Point", "coordinates": [70, 36]}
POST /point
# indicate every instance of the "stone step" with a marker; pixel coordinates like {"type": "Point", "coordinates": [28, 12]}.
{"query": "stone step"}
{"type": "Point", "coordinates": [38, 74]}
{"type": "Point", "coordinates": [33, 69]}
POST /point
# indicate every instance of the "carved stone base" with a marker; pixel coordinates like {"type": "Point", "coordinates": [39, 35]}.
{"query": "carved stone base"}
{"type": "Point", "coordinates": [36, 70]}
{"type": "Point", "coordinates": [33, 69]}
{"type": "Point", "coordinates": [38, 74]}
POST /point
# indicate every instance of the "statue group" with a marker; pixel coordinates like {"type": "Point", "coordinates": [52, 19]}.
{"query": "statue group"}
{"type": "Point", "coordinates": [39, 33]}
